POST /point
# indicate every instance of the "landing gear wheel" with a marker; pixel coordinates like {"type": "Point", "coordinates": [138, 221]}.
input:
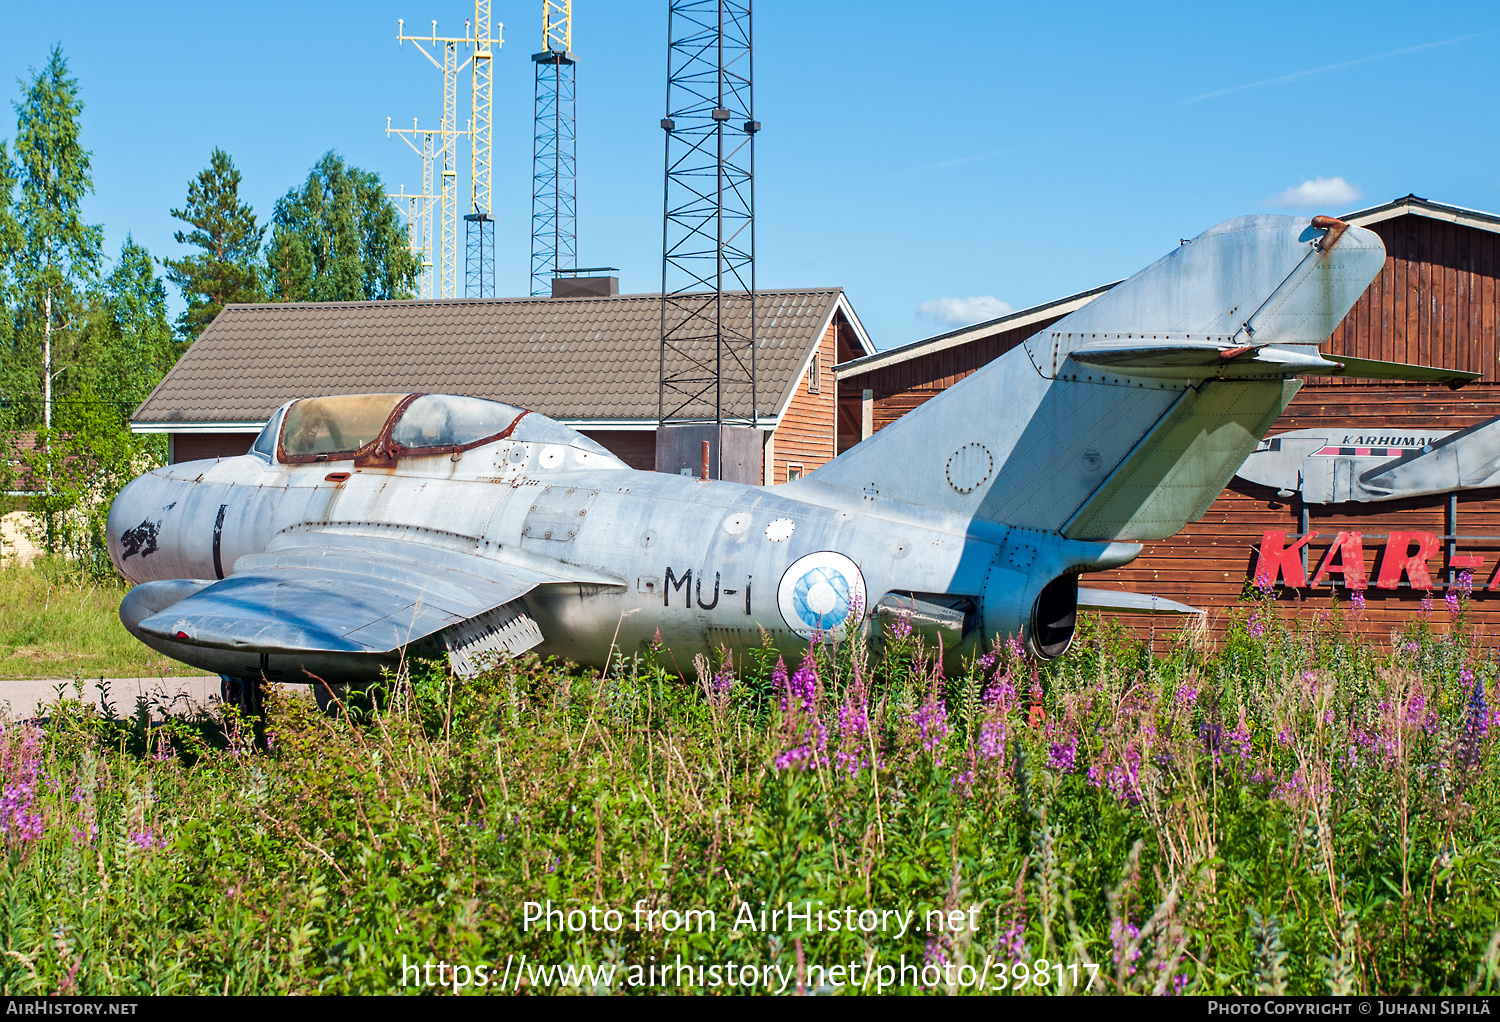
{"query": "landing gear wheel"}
{"type": "Point", "coordinates": [245, 693]}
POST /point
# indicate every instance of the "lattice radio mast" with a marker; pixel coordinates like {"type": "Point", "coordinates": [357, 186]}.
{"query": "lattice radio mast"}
{"type": "Point", "coordinates": [707, 368]}
{"type": "Point", "coordinates": [481, 272]}
{"type": "Point", "coordinates": [479, 226]}
{"type": "Point", "coordinates": [418, 207]}
{"type": "Point", "coordinates": [554, 195]}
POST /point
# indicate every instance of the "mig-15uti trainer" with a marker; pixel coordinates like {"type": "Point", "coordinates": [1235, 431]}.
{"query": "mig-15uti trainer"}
{"type": "Point", "coordinates": [362, 526]}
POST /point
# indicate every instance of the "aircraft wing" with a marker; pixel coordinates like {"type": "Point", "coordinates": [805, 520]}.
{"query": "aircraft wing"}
{"type": "Point", "coordinates": [316, 592]}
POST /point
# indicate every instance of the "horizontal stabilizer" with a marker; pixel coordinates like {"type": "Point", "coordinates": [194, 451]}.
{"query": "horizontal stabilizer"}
{"type": "Point", "coordinates": [1131, 603]}
{"type": "Point", "coordinates": [1372, 369]}
{"type": "Point", "coordinates": [1189, 361]}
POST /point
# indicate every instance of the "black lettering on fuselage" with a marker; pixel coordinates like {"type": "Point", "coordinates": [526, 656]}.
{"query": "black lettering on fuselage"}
{"type": "Point", "coordinates": [673, 582]}
{"type": "Point", "coordinates": [715, 603]}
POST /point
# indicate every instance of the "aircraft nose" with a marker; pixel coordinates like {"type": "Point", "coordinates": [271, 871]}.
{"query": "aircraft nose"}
{"type": "Point", "coordinates": [130, 529]}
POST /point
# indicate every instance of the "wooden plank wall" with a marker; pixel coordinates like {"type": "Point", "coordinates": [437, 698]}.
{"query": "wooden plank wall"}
{"type": "Point", "coordinates": [1434, 303]}
{"type": "Point", "coordinates": [809, 431]}
{"type": "Point", "coordinates": [901, 387]}
{"type": "Point", "coordinates": [635, 447]}
{"type": "Point", "coordinates": [196, 446]}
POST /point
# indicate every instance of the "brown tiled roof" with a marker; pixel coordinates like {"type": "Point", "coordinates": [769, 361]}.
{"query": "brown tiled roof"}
{"type": "Point", "coordinates": [570, 358]}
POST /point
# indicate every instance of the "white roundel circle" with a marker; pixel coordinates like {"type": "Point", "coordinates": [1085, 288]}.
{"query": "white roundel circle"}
{"type": "Point", "coordinates": [552, 456]}
{"type": "Point", "coordinates": [736, 524]}
{"type": "Point", "coordinates": [820, 592]}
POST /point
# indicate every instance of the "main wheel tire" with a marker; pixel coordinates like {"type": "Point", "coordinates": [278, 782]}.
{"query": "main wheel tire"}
{"type": "Point", "coordinates": [247, 694]}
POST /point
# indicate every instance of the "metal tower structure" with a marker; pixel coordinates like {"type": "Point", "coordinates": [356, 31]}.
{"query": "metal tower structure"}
{"type": "Point", "coordinates": [554, 195]}
{"type": "Point", "coordinates": [479, 226]}
{"type": "Point", "coordinates": [707, 365]}
{"type": "Point", "coordinates": [418, 207]}
{"type": "Point", "coordinates": [447, 137]}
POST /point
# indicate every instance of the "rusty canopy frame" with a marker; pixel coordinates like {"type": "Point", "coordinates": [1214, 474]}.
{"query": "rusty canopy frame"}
{"type": "Point", "coordinates": [707, 363]}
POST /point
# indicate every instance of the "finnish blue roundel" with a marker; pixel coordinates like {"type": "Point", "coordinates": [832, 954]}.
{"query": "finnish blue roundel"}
{"type": "Point", "coordinates": [819, 592]}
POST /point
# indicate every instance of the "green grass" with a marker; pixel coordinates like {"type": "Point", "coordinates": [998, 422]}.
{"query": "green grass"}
{"type": "Point", "coordinates": [56, 622]}
{"type": "Point", "coordinates": [1295, 812]}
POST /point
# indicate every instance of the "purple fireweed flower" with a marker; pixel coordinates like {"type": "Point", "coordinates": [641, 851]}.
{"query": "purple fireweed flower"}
{"type": "Point", "coordinates": [780, 682]}
{"type": "Point", "coordinates": [1121, 933]}
{"type": "Point", "coordinates": [901, 627]}
{"type": "Point", "coordinates": [145, 840]}
{"type": "Point", "coordinates": [992, 738]}
{"type": "Point", "coordinates": [1426, 605]}
{"type": "Point", "coordinates": [1000, 692]}
{"type": "Point", "coordinates": [1187, 696]}
{"type": "Point", "coordinates": [1466, 581]}
{"type": "Point", "coordinates": [1476, 726]}
{"type": "Point", "coordinates": [20, 765]}
{"type": "Point", "coordinates": [1256, 626]}
{"type": "Point", "coordinates": [1358, 599]}
{"type": "Point", "coordinates": [1264, 585]}
{"type": "Point", "coordinates": [1451, 599]}
{"type": "Point", "coordinates": [853, 726]}
{"type": "Point", "coordinates": [1240, 738]}
{"type": "Point", "coordinates": [1063, 755]}
{"type": "Point", "coordinates": [802, 689]}
{"type": "Point", "coordinates": [931, 721]}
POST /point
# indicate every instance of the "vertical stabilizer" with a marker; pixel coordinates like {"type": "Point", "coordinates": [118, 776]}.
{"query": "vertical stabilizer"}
{"type": "Point", "coordinates": [1126, 418]}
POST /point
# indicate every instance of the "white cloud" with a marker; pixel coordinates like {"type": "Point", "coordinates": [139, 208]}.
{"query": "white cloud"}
{"type": "Point", "coordinates": [963, 311]}
{"type": "Point", "coordinates": [1320, 191]}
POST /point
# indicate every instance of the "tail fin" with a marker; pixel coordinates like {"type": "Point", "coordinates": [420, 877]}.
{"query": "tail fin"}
{"type": "Point", "coordinates": [1123, 420]}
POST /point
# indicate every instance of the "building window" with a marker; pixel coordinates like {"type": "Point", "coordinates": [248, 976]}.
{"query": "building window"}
{"type": "Point", "coordinates": [793, 472]}
{"type": "Point", "coordinates": [815, 374]}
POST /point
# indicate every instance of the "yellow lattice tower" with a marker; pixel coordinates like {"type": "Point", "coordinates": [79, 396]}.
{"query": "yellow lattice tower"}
{"type": "Point", "coordinates": [557, 25]}
{"type": "Point", "coordinates": [480, 147]}
{"type": "Point", "coordinates": [447, 138]}
{"type": "Point", "coordinates": [418, 207]}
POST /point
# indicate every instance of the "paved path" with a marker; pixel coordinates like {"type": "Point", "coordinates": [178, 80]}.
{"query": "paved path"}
{"type": "Point", "coordinates": [23, 698]}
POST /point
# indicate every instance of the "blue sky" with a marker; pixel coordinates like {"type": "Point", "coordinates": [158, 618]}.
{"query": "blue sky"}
{"type": "Point", "coordinates": [958, 158]}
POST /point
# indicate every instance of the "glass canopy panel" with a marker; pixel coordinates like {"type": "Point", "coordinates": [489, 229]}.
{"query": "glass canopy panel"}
{"type": "Point", "coordinates": [441, 420]}
{"type": "Point", "coordinates": [329, 425]}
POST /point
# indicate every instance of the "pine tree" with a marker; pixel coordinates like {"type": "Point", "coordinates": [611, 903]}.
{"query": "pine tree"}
{"type": "Point", "coordinates": [338, 238]}
{"type": "Point", "coordinates": [225, 269]}
{"type": "Point", "coordinates": [57, 253]}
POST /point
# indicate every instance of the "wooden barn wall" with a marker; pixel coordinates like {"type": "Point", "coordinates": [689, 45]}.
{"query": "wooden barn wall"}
{"type": "Point", "coordinates": [809, 431]}
{"type": "Point", "coordinates": [1434, 302]}
{"type": "Point", "coordinates": [635, 447]}
{"type": "Point", "coordinates": [901, 387]}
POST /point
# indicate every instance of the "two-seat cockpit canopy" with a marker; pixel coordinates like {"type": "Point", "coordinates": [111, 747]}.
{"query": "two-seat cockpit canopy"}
{"type": "Point", "coordinates": [381, 428]}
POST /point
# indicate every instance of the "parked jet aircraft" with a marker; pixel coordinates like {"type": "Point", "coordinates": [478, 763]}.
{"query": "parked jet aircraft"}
{"type": "Point", "coordinates": [361, 525]}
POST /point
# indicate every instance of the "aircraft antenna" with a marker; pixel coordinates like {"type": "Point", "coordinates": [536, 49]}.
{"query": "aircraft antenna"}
{"type": "Point", "coordinates": [554, 190]}
{"type": "Point", "coordinates": [707, 356]}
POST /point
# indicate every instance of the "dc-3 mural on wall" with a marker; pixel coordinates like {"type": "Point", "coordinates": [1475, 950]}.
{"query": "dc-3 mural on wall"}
{"type": "Point", "coordinates": [362, 526]}
{"type": "Point", "coordinates": [1359, 465]}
